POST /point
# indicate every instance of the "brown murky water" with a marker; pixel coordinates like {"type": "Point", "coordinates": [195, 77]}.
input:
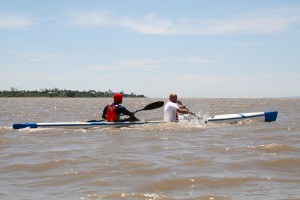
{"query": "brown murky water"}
{"type": "Point", "coordinates": [248, 160]}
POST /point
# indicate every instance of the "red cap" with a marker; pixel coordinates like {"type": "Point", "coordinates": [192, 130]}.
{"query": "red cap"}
{"type": "Point", "coordinates": [118, 97]}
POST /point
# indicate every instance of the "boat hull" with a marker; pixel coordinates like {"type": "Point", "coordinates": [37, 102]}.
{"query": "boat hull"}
{"type": "Point", "coordinates": [234, 118]}
{"type": "Point", "coordinates": [228, 118]}
{"type": "Point", "coordinates": [102, 124]}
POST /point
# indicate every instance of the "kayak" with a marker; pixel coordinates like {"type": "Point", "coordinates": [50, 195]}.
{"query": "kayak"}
{"type": "Point", "coordinates": [102, 124]}
{"type": "Point", "coordinates": [234, 118]}
{"type": "Point", "coordinates": [92, 123]}
{"type": "Point", "coordinates": [228, 118]}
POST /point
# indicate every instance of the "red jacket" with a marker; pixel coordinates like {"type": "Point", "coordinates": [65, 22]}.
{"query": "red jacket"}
{"type": "Point", "coordinates": [111, 115]}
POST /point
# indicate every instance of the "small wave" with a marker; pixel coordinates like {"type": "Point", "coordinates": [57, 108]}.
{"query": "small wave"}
{"type": "Point", "coordinates": [209, 182]}
{"type": "Point", "coordinates": [274, 148]}
{"type": "Point", "coordinates": [126, 195]}
{"type": "Point", "coordinates": [209, 197]}
{"type": "Point", "coordinates": [183, 126]}
{"type": "Point", "coordinates": [33, 130]}
{"type": "Point", "coordinates": [5, 129]}
{"type": "Point", "coordinates": [150, 196]}
{"type": "Point", "coordinates": [197, 162]}
{"type": "Point", "coordinates": [74, 176]}
{"type": "Point", "coordinates": [223, 149]}
{"type": "Point", "coordinates": [244, 122]}
{"type": "Point", "coordinates": [3, 141]}
{"type": "Point", "coordinates": [282, 164]}
{"type": "Point", "coordinates": [149, 171]}
{"type": "Point", "coordinates": [39, 167]}
{"type": "Point", "coordinates": [47, 130]}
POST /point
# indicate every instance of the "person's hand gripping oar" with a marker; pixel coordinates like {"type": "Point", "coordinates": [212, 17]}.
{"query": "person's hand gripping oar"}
{"type": "Point", "coordinates": [199, 118]}
{"type": "Point", "coordinates": [182, 106]}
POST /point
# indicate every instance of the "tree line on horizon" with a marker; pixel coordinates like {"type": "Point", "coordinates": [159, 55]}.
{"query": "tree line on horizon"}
{"type": "Point", "coordinates": [55, 92]}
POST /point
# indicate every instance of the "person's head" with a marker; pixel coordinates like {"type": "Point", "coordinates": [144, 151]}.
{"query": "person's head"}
{"type": "Point", "coordinates": [118, 98]}
{"type": "Point", "coordinates": [173, 97]}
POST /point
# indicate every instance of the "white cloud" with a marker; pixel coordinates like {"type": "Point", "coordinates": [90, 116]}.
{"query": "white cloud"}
{"type": "Point", "coordinates": [38, 57]}
{"type": "Point", "coordinates": [93, 18]}
{"type": "Point", "coordinates": [150, 24]}
{"type": "Point", "coordinates": [10, 21]}
{"type": "Point", "coordinates": [268, 21]}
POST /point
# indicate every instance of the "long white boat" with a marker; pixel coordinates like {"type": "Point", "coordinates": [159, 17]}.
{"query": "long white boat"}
{"type": "Point", "coordinates": [92, 123]}
{"type": "Point", "coordinates": [234, 118]}
{"type": "Point", "coordinates": [102, 124]}
{"type": "Point", "coordinates": [228, 118]}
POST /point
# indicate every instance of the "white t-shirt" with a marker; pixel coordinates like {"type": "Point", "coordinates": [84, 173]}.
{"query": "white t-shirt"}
{"type": "Point", "coordinates": [170, 111]}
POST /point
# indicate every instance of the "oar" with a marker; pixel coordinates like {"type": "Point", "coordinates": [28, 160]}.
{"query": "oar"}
{"type": "Point", "coordinates": [150, 106]}
{"type": "Point", "coordinates": [180, 103]}
{"type": "Point", "coordinates": [198, 117]}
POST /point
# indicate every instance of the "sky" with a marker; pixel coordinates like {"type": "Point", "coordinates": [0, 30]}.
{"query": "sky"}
{"type": "Point", "coordinates": [195, 48]}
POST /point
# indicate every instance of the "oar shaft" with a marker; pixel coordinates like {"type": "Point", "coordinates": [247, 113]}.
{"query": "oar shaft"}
{"type": "Point", "coordinates": [181, 104]}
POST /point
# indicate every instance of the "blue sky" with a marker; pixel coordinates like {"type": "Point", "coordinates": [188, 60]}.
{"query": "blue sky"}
{"type": "Point", "coordinates": [194, 48]}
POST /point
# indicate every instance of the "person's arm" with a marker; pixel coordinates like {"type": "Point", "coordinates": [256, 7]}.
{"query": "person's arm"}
{"type": "Point", "coordinates": [124, 111]}
{"type": "Point", "coordinates": [132, 117]}
{"type": "Point", "coordinates": [104, 112]}
{"type": "Point", "coordinates": [183, 110]}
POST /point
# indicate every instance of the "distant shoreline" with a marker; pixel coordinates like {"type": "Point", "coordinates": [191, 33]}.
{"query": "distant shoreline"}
{"type": "Point", "coordinates": [58, 93]}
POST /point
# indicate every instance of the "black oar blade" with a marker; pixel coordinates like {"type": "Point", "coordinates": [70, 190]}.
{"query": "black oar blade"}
{"type": "Point", "coordinates": [154, 105]}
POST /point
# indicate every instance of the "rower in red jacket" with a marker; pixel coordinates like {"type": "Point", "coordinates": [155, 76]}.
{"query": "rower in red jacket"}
{"type": "Point", "coordinates": [113, 111]}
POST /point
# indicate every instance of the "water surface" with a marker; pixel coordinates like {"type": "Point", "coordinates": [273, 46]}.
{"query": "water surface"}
{"type": "Point", "coordinates": [248, 160]}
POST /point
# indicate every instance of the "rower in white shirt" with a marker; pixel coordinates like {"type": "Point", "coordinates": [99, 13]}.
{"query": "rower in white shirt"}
{"type": "Point", "coordinates": [172, 109]}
